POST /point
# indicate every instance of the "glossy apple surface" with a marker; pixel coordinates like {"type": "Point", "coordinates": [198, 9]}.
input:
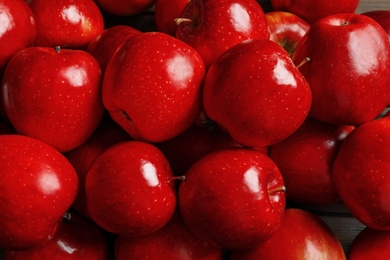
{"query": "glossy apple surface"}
{"type": "Point", "coordinates": [66, 23]}
{"type": "Point", "coordinates": [17, 29]}
{"type": "Point", "coordinates": [211, 27]}
{"type": "Point", "coordinates": [256, 93]}
{"type": "Point", "coordinates": [165, 13]}
{"type": "Point", "coordinates": [152, 86]}
{"type": "Point", "coordinates": [232, 198]}
{"type": "Point", "coordinates": [360, 173]}
{"type": "Point", "coordinates": [370, 244]}
{"type": "Point", "coordinates": [53, 95]}
{"type": "Point", "coordinates": [346, 52]}
{"type": "Point", "coordinates": [301, 235]}
{"type": "Point", "coordinates": [286, 29]}
{"type": "Point", "coordinates": [125, 7]}
{"type": "Point", "coordinates": [77, 238]}
{"type": "Point", "coordinates": [312, 11]}
{"type": "Point", "coordinates": [305, 159]}
{"type": "Point", "coordinates": [173, 241]}
{"type": "Point", "coordinates": [37, 186]}
{"type": "Point", "coordinates": [130, 190]}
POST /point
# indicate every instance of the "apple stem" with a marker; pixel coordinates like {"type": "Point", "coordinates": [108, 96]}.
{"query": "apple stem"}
{"type": "Point", "coordinates": [306, 60]}
{"type": "Point", "coordinates": [57, 49]}
{"type": "Point", "coordinates": [67, 216]}
{"type": "Point", "coordinates": [179, 178]}
{"type": "Point", "coordinates": [182, 20]}
{"type": "Point", "coordinates": [278, 189]}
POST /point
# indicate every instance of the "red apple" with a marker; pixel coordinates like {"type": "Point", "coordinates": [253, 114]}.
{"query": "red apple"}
{"type": "Point", "coordinates": [174, 241]}
{"type": "Point", "coordinates": [152, 86]}
{"type": "Point", "coordinates": [17, 29]}
{"type": "Point", "coordinates": [107, 134]}
{"type": "Point", "coordinates": [345, 54]}
{"type": "Point", "coordinates": [37, 186]}
{"type": "Point", "coordinates": [125, 7]}
{"type": "Point", "coordinates": [305, 159]}
{"type": "Point", "coordinates": [370, 244]}
{"type": "Point", "coordinates": [66, 23]}
{"type": "Point", "coordinates": [165, 13]}
{"type": "Point", "coordinates": [108, 42]}
{"type": "Point", "coordinates": [256, 93]}
{"type": "Point", "coordinates": [211, 27]}
{"type": "Point", "coordinates": [361, 173]}
{"type": "Point", "coordinates": [382, 17]}
{"type": "Point", "coordinates": [232, 198]}
{"type": "Point", "coordinates": [301, 235]}
{"type": "Point", "coordinates": [76, 238]}
{"type": "Point", "coordinates": [53, 95]}
{"type": "Point", "coordinates": [312, 11]}
{"type": "Point", "coordinates": [286, 29]}
{"type": "Point", "coordinates": [130, 189]}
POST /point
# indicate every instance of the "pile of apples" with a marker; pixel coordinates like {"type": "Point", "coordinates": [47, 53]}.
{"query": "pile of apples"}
{"type": "Point", "coordinates": [201, 133]}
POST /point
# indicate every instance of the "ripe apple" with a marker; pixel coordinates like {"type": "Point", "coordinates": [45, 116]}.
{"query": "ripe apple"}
{"type": "Point", "coordinates": [173, 241]}
{"type": "Point", "coordinates": [107, 43]}
{"type": "Point", "coordinates": [312, 11]}
{"type": "Point", "coordinates": [370, 244]}
{"type": "Point", "coordinates": [346, 53]}
{"type": "Point", "coordinates": [17, 28]}
{"type": "Point", "coordinates": [360, 173]}
{"type": "Point", "coordinates": [256, 93]}
{"type": "Point", "coordinates": [211, 27]}
{"type": "Point", "coordinates": [130, 189]}
{"type": "Point", "coordinates": [37, 186]}
{"type": "Point", "coordinates": [301, 235]}
{"type": "Point", "coordinates": [107, 134]}
{"type": "Point", "coordinates": [76, 238]}
{"type": "Point", "coordinates": [286, 29]}
{"type": "Point", "coordinates": [232, 198]}
{"type": "Point", "coordinates": [125, 7]}
{"type": "Point", "coordinates": [305, 159]}
{"type": "Point", "coordinates": [53, 95]}
{"type": "Point", "coordinates": [382, 17]}
{"type": "Point", "coordinates": [165, 13]}
{"type": "Point", "coordinates": [66, 23]}
{"type": "Point", "coordinates": [152, 86]}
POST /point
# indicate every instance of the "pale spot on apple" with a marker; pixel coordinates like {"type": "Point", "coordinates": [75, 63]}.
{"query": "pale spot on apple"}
{"type": "Point", "coordinates": [251, 180]}
{"type": "Point", "coordinates": [6, 20]}
{"type": "Point", "coordinates": [149, 173]}
{"type": "Point", "coordinates": [282, 75]}
{"type": "Point", "coordinates": [180, 70]}
{"type": "Point", "coordinates": [75, 76]}
{"type": "Point", "coordinates": [239, 18]}
{"type": "Point", "coordinates": [48, 182]}
{"type": "Point", "coordinates": [71, 14]}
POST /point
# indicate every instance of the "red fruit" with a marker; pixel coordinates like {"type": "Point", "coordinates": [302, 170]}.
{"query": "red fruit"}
{"type": "Point", "coordinates": [165, 13]}
{"type": "Point", "coordinates": [125, 7]}
{"type": "Point", "coordinates": [370, 244]}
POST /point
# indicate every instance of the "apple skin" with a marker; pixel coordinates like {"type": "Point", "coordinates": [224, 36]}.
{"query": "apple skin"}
{"type": "Point", "coordinates": [215, 26]}
{"type": "Point", "coordinates": [256, 93]}
{"type": "Point", "coordinates": [305, 159]}
{"type": "Point", "coordinates": [53, 95]}
{"type": "Point", "coordinates": [107, 134]}
{"type": "Point", "coordinates": [37, 186]}
{"type": "Point", "coordinates": [125, 7]}
{"type": "Point", "coordinates": [370, 244]}
{"type": "Point", "coordinates": [232, 198]}
{"type": "Point", "coordinates": [174, 241]}
{"type": "Point", "coordinates": [165, 13]}
{"type": "Point", "coordinates": [108, 42]}
{"type": "Point", "coordinates": [18, 29]}
{"type": "Point", "coordinates": [286, 29]}
{"type": "Point", "coordinates": [130, 189]}
{"type": "Point", "coordinates": [347, 53]}
{"type": "Point", "coordinates": [171, 75]}
{"type": "Point", "coordinates": [73, 23]}
{"type": "Point", "coordinates": [360, 173]}
{"type": "Point", "coordinates": [301, 235]}
{"type": "Point", "coordinates": [313, 11]}
{"type": "Point", "coordinates": [77, 238]}
{"type": "Point", "coordinates": [382, 17]}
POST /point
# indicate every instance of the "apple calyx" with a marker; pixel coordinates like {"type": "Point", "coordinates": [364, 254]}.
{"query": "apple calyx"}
{"type": "Point", "coordinates": [125, 115]}
{"type": "Point", "coordinates": [67, 216]}
{"type": "Point", "coordinates": [305, 60]}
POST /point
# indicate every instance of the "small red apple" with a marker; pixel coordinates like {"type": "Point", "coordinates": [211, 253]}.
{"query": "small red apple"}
{"type": "Point", "coordinates": [361, 173]}
{"type": "Point", "coordinates": [165, 13]}
{"type": "Point", "coordinates": [37, 186]}
{"type": "Point", "coordinates": [232, 198]}
{"type": "Point", "coordinates": [125, 7]}
{"type": "Point", "coordinates": [152, 86]}
{"type": "Point", "coordinates": [345, 54]}
{"type": "Point", "coordinates": [301, 235]}
{"type": "Point", "coordinates": [66, 23]}
{"type": "Point", "coordinates": [370, 244]}
{"type": "Point", "coordinates": [130, 189]}
{"type": "Point", "coordinates": [256, 93]}
{"type": "Point", "coordinates": [53, 95]}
